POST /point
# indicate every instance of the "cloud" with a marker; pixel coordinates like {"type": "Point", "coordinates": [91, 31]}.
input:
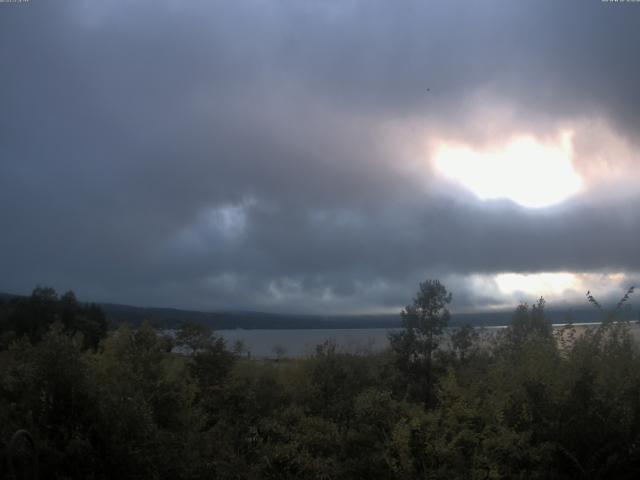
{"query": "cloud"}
{"type": "Point", "coordinates": [276, 155]}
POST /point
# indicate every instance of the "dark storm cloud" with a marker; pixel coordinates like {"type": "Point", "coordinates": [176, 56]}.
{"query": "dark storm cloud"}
{"type": "Point", "coordinates": [235, 155]}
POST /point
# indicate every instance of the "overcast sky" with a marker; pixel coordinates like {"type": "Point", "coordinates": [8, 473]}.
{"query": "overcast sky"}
{"type": "Point", "coordinates": [282, 155]}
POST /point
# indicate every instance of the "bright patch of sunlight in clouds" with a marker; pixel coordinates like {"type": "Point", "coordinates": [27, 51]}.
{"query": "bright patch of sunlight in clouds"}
{"type": "Point", "coordinates": [563, 286]}
{"type": "Point", "coordinates": [535, 284]}
{"type": "Point", "coordinates": [526, 171]}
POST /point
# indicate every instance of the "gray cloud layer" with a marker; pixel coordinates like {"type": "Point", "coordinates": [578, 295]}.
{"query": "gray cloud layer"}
{"type": "Point", "coordinates": [251, 154]}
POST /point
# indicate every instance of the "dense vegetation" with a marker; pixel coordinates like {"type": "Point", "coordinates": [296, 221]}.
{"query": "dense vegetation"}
{"type": "Point", "coordinates": [527, 403]}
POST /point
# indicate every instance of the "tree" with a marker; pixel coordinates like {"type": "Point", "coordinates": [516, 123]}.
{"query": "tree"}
{"type": "Point", "coordinates": [89, 320]}
{"type": "Point", "coordinates": [528, 324]}
{"type": "Point", "coordinates": [423, 322]}
{"type": "Point", "coordinates": [33, 316]}
{"type": "Point", "coordinates": [279, 351]}
{"type": "Point", "coordinates": [193, 337]}
{"type": "Point", "coordinates": [463, 339]}
{"type": "Point", "coordinates": [211, 364]}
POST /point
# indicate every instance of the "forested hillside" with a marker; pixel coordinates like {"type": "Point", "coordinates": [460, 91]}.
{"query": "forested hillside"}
{"type": "Point", "coordinates": [526, 403]}
{"type": "Point", "coordinates": [172, 318]}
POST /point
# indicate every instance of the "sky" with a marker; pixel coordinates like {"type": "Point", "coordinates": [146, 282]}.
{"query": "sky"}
{"type": "Point", "coordinates": [320, 156]}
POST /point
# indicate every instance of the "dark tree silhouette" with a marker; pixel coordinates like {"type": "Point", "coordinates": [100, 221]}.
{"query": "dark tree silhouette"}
{"type": "Point", "coordinates": [423, 322]}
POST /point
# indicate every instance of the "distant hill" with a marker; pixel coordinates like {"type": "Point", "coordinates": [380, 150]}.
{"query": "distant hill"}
{"type": "Point", "coordinates": [225, 320]}
{"type": "Point", "coordinates": [7, 296]}
{"type": "Point", "coordinates": [169, 317]}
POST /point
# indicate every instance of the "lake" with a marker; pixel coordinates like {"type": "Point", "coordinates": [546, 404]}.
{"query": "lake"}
{"type": "Point", "coordinates": [302, 342]}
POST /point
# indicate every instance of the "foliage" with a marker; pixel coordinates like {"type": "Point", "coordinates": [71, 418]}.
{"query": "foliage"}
{"type": "Point", "coordinates": [423, 323]}
{"type": "Point", "coordinates": [463, 341]}
{"type": "Point", "coordinates": [32, 316]}
{"type": "Point", "coordinates": [526, 404]}
{"type": "Point", "coordinates": [528, 324]}
{"type": "Point", "coordinates": [193, 337]}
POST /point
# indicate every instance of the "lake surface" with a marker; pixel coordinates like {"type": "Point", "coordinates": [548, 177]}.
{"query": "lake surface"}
{"type": "Point", "coordinates": [302, 342]}
{"type": "Point", "coordinates": [298, 343]}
